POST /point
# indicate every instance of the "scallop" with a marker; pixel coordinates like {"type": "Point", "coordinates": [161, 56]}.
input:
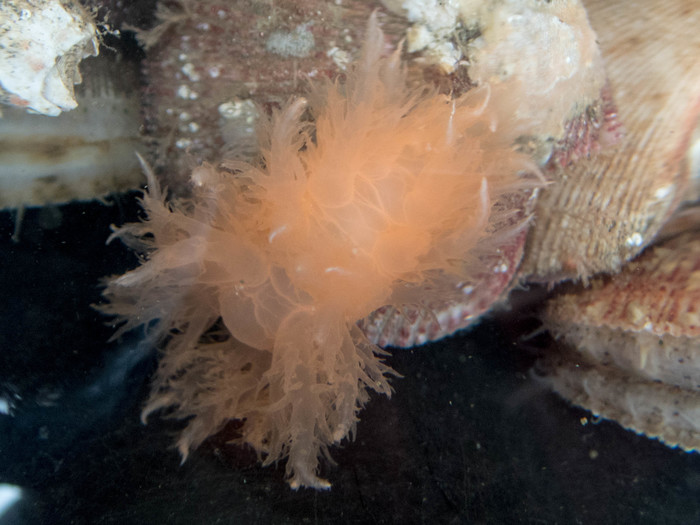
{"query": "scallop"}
{"type": "Point", "coordinates": [213, 68]}
{"type": "Point", "coordinates": [542, 56]}
{"type": "Point", "coordinates": [451, 305]}
{"type": "Point", "coordinates": [602, 211]}
{"type": "Point", "coordinates": [630, 347]}
{"type": "Point", "coordinates": [542, 63]}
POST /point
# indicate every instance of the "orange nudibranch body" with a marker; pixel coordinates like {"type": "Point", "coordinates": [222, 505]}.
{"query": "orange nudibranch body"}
{"type": "Point", "coordinates": [389, 189]}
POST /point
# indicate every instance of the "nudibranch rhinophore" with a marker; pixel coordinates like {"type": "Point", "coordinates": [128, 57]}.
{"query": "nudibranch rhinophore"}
{"type": "Point", "coordinates": [254, 285]}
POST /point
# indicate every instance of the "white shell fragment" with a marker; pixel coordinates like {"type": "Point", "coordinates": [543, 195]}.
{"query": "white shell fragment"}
{"type": "Point", "coordinates": [434, 23]}
{"type": "Point", "coordinates": [544, 54]}
{"type": "Point", "coordinates": [41, 44]}
{"type": "Point", "coordinates": [81, 154]}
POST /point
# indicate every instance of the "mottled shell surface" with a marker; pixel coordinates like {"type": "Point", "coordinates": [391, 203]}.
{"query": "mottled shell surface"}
{"type": "Point", "coordinates": [657, 410]}
{"type": "Point", "coordinates": [659, 293]}
{"type": "Point", "coordinates": [602, 211]}
{"type": "Point", "coordinates": [541, 56]}
{"type": "Point", "coordinates": [630, 348]}
{"type": "Point", "coordinates": [41, 44]}
{"type": "Point", "coordinates": [213, 66]}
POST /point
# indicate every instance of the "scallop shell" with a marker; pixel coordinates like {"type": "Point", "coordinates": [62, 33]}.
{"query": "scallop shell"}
{"type": "Point", "coordinates": [631, 350]}
{"type": "Point", "coordinates": [658, 293]}
{"type": "Point", "coordinates": [541, 56]}
{"type": "Point", "coordinates": [210, 65]}
{"type": "Point", "coordinates": [543, 60]}
{"type": "Point", "coordinates": [604, 210]}
{"type": "Point", "coordinates": [459, 305]}
{"type": "Point", "coordinates": [452, 305]}
{"type": "Point", "coordinates": [668, 413]}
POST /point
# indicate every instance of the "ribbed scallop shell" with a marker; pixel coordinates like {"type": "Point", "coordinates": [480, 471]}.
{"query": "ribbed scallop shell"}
{"type": "Point", "coordinates": [451, 305]}
{"type": "Point", "coordinates": [604, 210]}
{"type": "Point", "coordinates": [658, 293]}
{"type": "Point", "coordinates": [459, 304]}
{"type": "Point", "coordinates": [630, 350]}
{"type": "Point", "coordinates": [668, 413]}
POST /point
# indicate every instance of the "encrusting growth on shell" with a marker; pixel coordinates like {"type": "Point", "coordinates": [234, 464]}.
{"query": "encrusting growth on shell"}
{"type": "Point", "coordinates": [541, 62]}
{"type": "Point", "coordinates": [255, 284]}
{"type": "Point", "coordinates": [543, 56]}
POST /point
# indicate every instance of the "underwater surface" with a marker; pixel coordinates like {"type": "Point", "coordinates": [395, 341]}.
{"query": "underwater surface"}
{"type": "Point", "coordinates": [472, 432]}
{"type": "Point", "coordinates": [469, 436]}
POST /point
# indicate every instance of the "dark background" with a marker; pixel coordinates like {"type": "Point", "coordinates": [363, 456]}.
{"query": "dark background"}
{"type": "Point", "coordinates": [470, 435]}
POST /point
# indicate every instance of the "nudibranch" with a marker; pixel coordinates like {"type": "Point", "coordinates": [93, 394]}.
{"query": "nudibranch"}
{"type": "Point", "coordinates": [254, 285]}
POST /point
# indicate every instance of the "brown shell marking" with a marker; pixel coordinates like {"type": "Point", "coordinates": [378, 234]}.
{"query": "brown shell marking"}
{"type": "Point", "coordinates": [630, 349]}
{"type": "Point", "coordinates": [658, 293]}
{"type": "Point", "coordinates": [605, 209]}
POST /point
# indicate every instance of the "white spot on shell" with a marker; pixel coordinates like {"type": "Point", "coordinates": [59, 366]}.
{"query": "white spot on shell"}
{"type": "Point", "coordinates": [418, 37]}
{"type": "Point", "coordinates": [235, 109]}
{"type": "Point", "coordinates": [340, 58]}
{"type": "Point", "coordinates": [663, 192]}
{"type": "Point", "coordinates": [634, 240]}
{"type": "Point", "coordinates": [189, 71]}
